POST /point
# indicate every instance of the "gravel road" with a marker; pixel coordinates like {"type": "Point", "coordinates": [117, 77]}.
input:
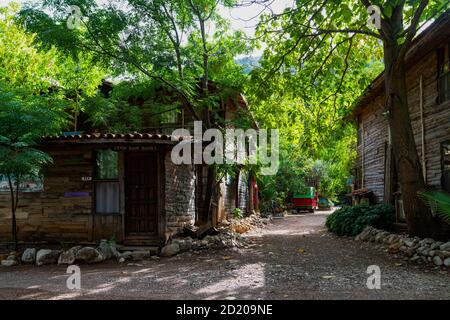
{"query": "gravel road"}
{"type": "Point", "coordinates": [294, 258]}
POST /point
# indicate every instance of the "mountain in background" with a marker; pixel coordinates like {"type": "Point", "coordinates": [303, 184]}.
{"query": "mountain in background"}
{"type": "Point", "coordinates": [249, 63]}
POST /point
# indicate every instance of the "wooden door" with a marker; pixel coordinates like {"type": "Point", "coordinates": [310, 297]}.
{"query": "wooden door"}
{"type": "Point", "coordinates": [141, 194]}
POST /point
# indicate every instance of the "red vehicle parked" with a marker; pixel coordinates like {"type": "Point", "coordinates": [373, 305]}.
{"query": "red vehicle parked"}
{"type": "Point", "coordinates": [307, 200]}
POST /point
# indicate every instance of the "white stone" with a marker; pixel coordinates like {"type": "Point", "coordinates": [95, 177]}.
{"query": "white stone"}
{"type": "Point", "coordinates": [29, 255]}
{"type": "Point", "coordinates": [9, 263]}
{"type": "Point", "coordinates": [437, 261]}
{"type": "Point", "coordinates": [447, 262]}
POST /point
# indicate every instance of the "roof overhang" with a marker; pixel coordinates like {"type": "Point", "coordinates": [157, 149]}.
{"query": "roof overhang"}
{"type": "Point", "coordinates": [426, 41]}
{"type": "Point", "coordinates": [111, 138]}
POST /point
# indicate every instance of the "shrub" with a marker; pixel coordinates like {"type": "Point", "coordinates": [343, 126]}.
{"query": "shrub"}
{"type": "Point", "coordinates": [237, 213]}
{"type": "Point", "coordinates": [350, 221]}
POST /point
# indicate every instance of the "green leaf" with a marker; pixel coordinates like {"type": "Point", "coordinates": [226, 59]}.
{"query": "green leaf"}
{"type": "Point", "coordinates": [387, 10]}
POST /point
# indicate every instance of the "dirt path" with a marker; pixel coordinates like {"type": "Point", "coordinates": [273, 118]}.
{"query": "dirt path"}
{"type": "Point", "coordinates": [272, 267]}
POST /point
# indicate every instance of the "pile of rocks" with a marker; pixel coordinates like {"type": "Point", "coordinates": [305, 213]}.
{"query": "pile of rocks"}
{"type": "Point", "coordinates": [225, 239]}
{"type": "Point", "coordinates": [246, 224]}
{"type": "Point", "coordinates": [413, 249]}
{"type": "Point", "coordinates": [78, 254]}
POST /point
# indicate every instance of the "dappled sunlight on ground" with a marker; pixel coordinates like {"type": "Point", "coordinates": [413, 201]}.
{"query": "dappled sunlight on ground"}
{"type": "Point", "coordinates": [295, 258]}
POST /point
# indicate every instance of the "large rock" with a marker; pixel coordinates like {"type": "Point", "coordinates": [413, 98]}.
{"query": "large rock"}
{"type": "Point", "coordinates": [89, 255]}
{"type": "Point", "coordinates": [447, 262]}
{"type": "Point", "coordinates": [394, 248]}
{"type": "Point", "coordinates": [409, 242]}
{"type": "Point", "coordinates": [436, 245]}
{"type": "Point", "coordinates": [185, 244]}
{"type": "Point", "coordinates": [46, 256]}
{"type": "Point", "coordinates": [437, 261]}
{"type": "Point", "coordinates": [127, 255]}
{"type": "Point", "coordinates": [9, 263]}
{"type": "Point", "coordinates": [140, 255]}
{"type": "Point", "coordinates": [241, 228]}
{"type": "Point", "coordinates": [368, 234]}
{"type": "Point", "coordinates": [170, 250]}
{"type": "Point", "coordinates": [106, 250]}
{"type": "Point", "coordinates": [381, 237]}
{"type": "Point", "coordinates": [29, 255]}
{"type": "Point", "coordinates": [445, 246]}
{"type": "Point", "coordinates": [69, 256]}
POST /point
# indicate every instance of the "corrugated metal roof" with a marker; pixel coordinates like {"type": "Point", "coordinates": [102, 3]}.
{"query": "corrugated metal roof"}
{"type": "Point", "coordinates": [116, 136]}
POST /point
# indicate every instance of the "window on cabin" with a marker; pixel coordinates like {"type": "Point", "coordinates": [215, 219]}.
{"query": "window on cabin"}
{"type": "Point", "coordinates": [444, 73]}
{"type": "Point", "coordinates": [445, 180]}
{"type": "Point", "coordinates": [170, 116]}
{"type": "Point", "coordinates": [169, 121]}
{"type": "Point", "coordinates": [106, 182]}
{"type": "Point", "coordinates": [360, 134]}
{"type": "Point", "coordinates": [358, 178]}
{"type": "Point", "coordinates": [27, 184]}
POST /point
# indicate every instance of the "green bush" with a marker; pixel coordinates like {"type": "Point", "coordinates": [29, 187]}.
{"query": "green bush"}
{"type": "Point", "coordinates": [350, 221]}
{"type": "Point", "coordinates": [237, 213]}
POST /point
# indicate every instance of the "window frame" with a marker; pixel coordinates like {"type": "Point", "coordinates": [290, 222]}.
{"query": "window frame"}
{"type": "Point", "coordinates": [443, 73]}
{"type": "Point", "coordinates": [443, 163]}
{"type": "Point", "coordinates": [97, 181]}
{"type": "Point", "coordinates": [38, 180]}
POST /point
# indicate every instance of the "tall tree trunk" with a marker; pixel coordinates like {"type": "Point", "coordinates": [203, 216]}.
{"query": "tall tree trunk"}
{"type": "Point", "coordinates": [211, 177]}
{"type": "Point", "coordinates": [14, 201]}
{"type": "Point", "coordinates": [418, 216]}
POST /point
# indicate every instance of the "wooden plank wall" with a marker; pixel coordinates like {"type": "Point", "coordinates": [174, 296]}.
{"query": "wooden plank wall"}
{"type": "Point", "coordinates": [436, 125]}
{"type": "Point", "coordinates": [375, 135]}
{"type": "Point", "coordinates": [55, 215]}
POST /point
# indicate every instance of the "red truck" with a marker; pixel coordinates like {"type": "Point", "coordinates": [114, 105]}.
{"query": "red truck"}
{"type": "Point", "coordinates": [307, 200]}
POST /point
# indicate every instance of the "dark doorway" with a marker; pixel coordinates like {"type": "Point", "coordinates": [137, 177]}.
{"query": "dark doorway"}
{"type": "Point", "coordinates": [141, 195]}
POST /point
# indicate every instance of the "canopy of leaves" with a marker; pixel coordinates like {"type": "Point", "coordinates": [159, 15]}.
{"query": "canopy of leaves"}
{"type": "Point", "coordinates": [22, 119]}
{"type": "Point", "coordinates": [21, 65]}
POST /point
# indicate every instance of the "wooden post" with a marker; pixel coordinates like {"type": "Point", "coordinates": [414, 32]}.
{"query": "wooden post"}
{"type": "Point", "coordinates": [424, 163]}
{"type": "Point", "coordinates": [363, 153]}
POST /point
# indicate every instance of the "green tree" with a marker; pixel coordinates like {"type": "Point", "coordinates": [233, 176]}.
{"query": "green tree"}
{"type": "Point", "coordinates": [21, 127]}
{"type": "Point", "coordinates": [323, 38]}
{"type": "Point", "coordinates": [28, 110]}
{"type": "Point", "coordinates": [166, 42]}
{"type": "Point", "coordinates": [78, 79]}
{"type": "Point", "coordinates": [21, 64]}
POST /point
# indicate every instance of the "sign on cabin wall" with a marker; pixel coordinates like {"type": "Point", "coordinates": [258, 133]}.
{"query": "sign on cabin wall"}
{"type": "Point", "coordinates": [79, 194]}
{"type": "Point", "coordinates": [134, 148]}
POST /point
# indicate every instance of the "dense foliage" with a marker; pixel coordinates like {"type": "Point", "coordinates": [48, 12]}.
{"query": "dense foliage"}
{"type": "Point", "coordinates": [438, 201]}
{"type": "Point", "coordinates": [350, 221]}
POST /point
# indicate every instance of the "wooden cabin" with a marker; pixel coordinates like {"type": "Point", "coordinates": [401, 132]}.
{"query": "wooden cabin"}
{"type": "Point", "coordinates": [123, 187]}
{"type": "Point", "coordinates": [428, 86]}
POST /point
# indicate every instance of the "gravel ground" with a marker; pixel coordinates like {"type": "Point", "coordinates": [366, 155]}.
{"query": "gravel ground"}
{"type": "Point", "coordinates": [294, 258]}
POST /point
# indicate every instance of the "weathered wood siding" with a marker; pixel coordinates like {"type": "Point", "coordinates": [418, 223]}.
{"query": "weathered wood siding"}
{"type": "Point", "coordinates": [53, 215]}
{"type": "Point", "coordinates": [65, 209]}
{"type": "Point", "coordinates": [436, 119]}
{"type": "Point", "coordinates": [371, 152]}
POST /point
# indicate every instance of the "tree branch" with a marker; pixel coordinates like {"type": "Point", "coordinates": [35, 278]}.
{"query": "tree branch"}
{"type": "Point", "coordinates": [412, 30]}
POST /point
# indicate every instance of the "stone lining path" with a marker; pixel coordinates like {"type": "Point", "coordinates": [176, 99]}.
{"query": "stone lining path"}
{"type": "Point", "coordinates": [294, 258]}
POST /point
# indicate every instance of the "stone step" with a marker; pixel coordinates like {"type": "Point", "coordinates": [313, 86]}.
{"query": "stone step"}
{"type": "Point", "coordinates": [141, 242]}
{"type": "Point", "coordinates": [154, 250]}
